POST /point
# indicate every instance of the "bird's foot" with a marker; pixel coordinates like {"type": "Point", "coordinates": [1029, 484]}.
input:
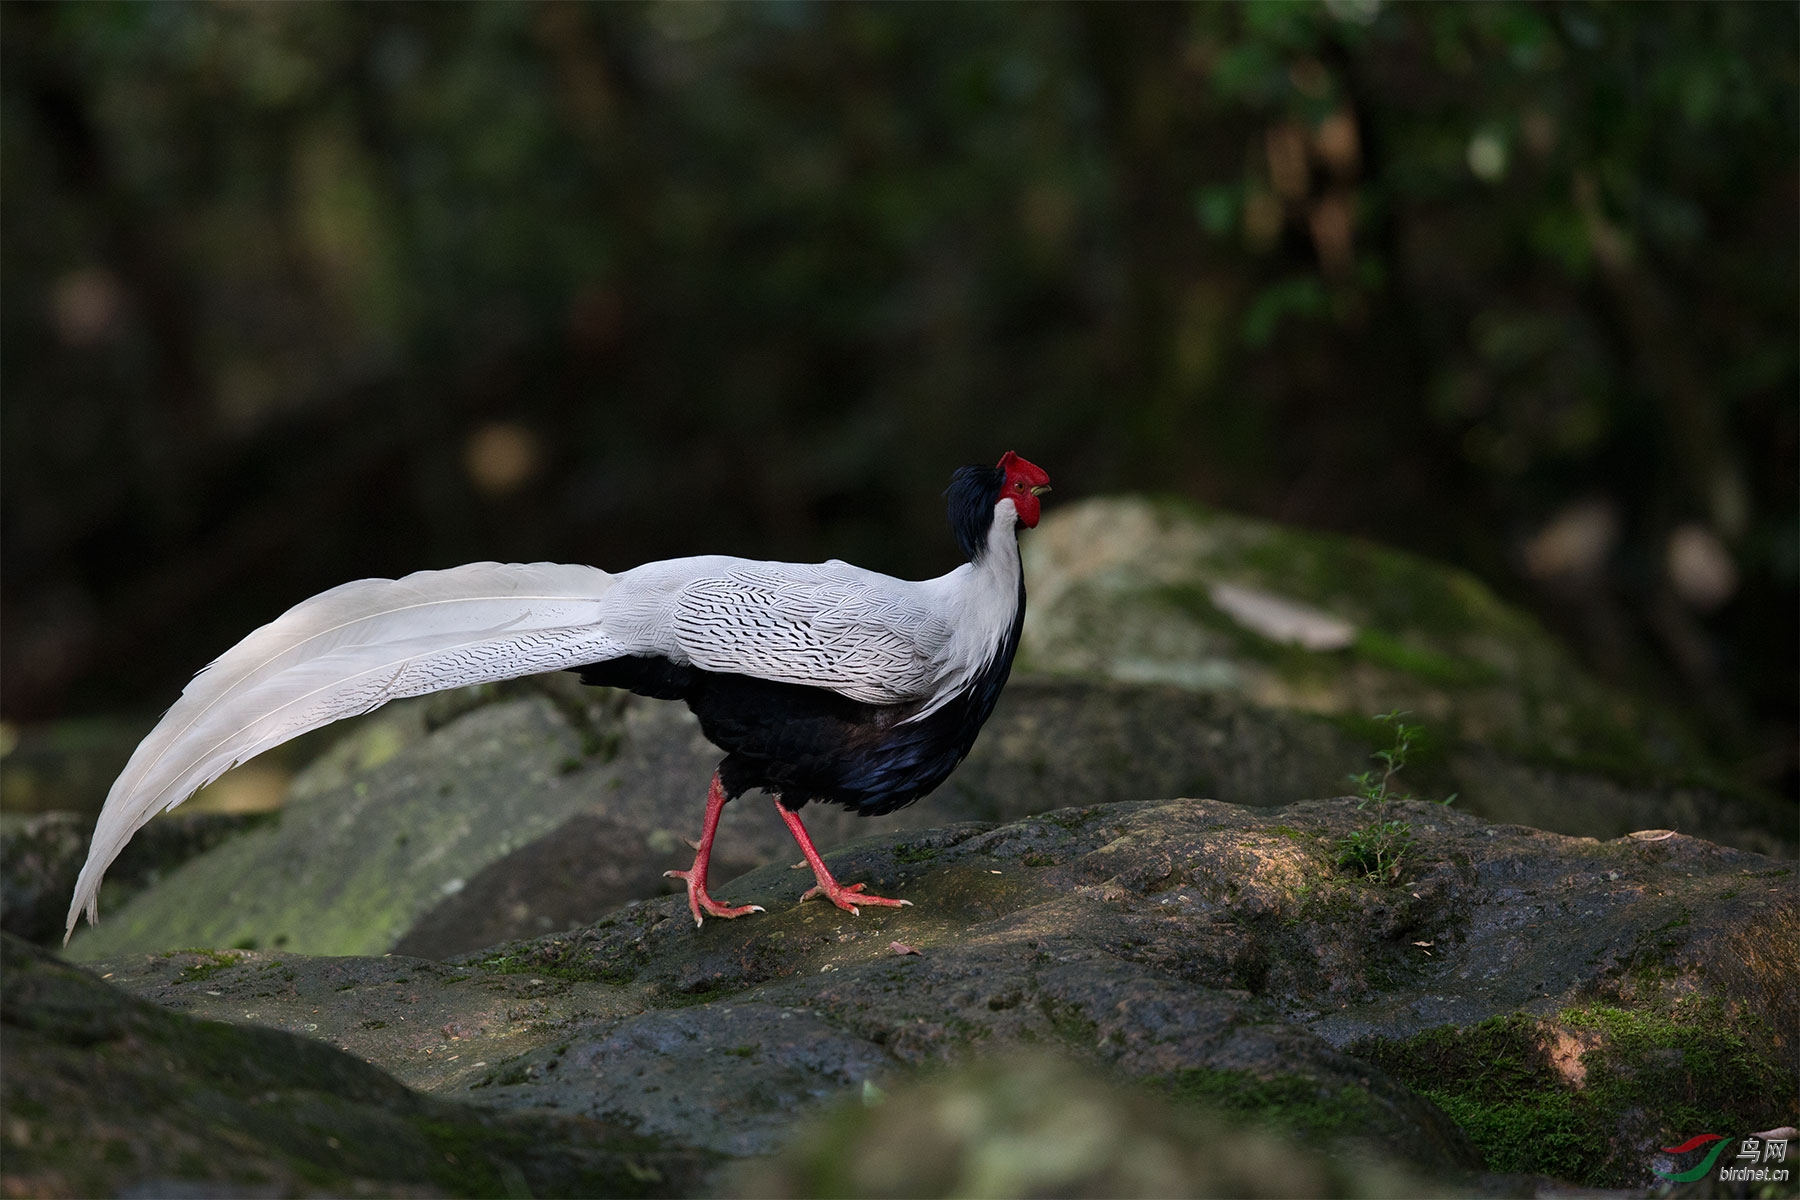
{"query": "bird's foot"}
{"type": "Point", "coordinates": [699, 902]}
{"type": "Point", "coordinates": [848, 897]}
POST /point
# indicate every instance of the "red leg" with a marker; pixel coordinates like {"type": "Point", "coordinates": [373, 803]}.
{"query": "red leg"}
{"type": "Point", "coordinates": [698, 900]}
{"type": "Point", "coordinates": [846, 898]}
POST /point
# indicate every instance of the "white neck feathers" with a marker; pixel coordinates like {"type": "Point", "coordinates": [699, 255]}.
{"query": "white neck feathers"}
{"type": "Point", "coordinates": [981, 599]}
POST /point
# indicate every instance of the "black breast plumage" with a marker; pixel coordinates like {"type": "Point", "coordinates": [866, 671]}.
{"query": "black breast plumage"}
{"type": "Point", "coordinates": [810, 744]}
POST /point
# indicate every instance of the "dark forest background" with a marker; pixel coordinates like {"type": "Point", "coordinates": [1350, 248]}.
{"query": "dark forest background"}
{"type": "Point", "coordinates": [297, 293]}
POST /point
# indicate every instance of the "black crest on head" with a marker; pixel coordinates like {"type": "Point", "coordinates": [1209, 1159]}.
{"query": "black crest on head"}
{"type": "Point", "coordinates": [972, 493]}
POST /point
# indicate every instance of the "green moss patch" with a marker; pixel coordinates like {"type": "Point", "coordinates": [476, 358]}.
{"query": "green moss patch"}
{"type": "Point", "coordinates": [1387, 588]}
{"type": "Point", "coordinates": [1578, 1096]}
{"type": "Point", "coordinates": [610, 952]}
{"type": "Point", "coordinates": [210, 964]}
{"type": "Point", "coordinates": [1294, 1104]}
{"type": "Point", "coordinates": [542, 961]}
{"type": "Point", "coordinates": [1386, 650]}
{"type": "Point", "coordinates": [1290, 661]}
{"type": "Point", "coordinates": [1070, 1023]}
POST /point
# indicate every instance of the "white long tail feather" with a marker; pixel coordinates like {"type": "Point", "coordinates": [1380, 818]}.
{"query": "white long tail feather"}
{"type": "Point", "coordinates": [342, 653]}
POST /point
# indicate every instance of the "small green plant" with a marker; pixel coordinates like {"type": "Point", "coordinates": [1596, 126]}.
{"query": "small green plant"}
{"type": "Point", "coordinates": [1379, 850]}
{"type": "Point", "coordinates": [1373, 790]}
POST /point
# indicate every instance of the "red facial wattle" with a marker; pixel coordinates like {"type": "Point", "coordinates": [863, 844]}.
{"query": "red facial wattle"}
{"type": "Point", "coordinates": [1024, 483]}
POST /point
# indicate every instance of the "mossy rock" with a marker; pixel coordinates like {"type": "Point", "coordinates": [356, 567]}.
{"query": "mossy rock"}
{"type": "Point", "coordinates": [1166, 591]}
{"type": "Point", "coordinates": [1293, 627]}
{"type": "Point", "coordinates": [1590, 1094]}
{"type": "Point", "coordinates": [376, 833]}
{"type": "Point", "coordinates": [107, 1095]}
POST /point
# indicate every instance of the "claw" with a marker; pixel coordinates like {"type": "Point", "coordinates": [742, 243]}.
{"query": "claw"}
{"type": "Point", "coordinates": [695, 876]}
{"type": "Point", "coordinates": [698, 900]}
{"type": "Point", "coordinates": [847, 897]}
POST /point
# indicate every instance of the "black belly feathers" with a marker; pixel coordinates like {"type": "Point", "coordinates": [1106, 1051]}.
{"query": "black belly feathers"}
{"type": "Point", "coordinates": [810, 744]}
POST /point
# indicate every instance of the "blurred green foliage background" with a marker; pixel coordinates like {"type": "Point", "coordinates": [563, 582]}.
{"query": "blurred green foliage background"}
{"type": "Point", "coordinates": [300, 293]}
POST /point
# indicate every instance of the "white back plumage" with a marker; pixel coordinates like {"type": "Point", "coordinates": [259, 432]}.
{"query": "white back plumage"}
{"type": "Point", "coordinates": [347, 651]}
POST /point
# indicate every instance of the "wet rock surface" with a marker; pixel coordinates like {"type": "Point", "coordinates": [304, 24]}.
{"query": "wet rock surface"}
{"type": "Point", "coordinates": [1209, 952]}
